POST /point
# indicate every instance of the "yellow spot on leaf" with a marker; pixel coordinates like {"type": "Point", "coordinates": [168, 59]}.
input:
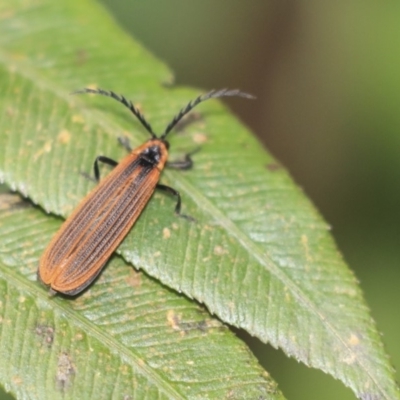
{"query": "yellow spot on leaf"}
{"type": "Point", "coordinates": [166, 233]}
{"type": "Point", "coordinates": [304, 242]}
{"type": "Point", "coordinates": [45, 149]}
{"type": "Point", "coordinates": [200, 138]}
{"type": "Point", "coordinates": [353, 340]}
{"type": "Point", "coordinates": [219, 250]}
{"type": "Point", "coordinates": [134, 279]}
{"type": "Point", "coordinates": [17, 380]}
{"type": "Point", "coordinates": [77, 118]}
{"type": "Point", "coordinates": [173, 320]}
{"type": "Point", "coordinates": [64, 136]}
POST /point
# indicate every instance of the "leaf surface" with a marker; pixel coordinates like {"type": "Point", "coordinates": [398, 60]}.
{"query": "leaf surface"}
{"type": "Point", "coordinates": [259, 256]}
{"type": "Point", "coordinates": [128, 337]}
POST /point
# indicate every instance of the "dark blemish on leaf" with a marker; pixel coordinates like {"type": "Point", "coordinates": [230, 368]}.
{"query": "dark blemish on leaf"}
{"type": "Point", "coordinates": [46, 334]}
{"type": "Point", "coordinates": [201, 326]}
{"type": "Point", "coordinates": [177, 324]}
{"type": "Point", "coordinates": [65, 371]}
{"type": "Point", "coordinates": [273, 166]}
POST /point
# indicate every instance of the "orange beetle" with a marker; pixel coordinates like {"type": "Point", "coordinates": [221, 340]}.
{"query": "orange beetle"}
{"type": "Point", "coordinates": [86, 240]}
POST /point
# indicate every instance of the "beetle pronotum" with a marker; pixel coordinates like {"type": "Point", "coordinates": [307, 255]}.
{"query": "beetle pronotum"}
{"type": "Point", "coordinates": [86, 240]}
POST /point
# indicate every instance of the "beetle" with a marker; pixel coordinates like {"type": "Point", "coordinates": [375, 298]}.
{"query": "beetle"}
{"type": "Point", "coordinates": [86, 240]}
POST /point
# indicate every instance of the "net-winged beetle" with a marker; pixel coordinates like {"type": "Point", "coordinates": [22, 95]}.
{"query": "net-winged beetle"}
{"type": "Point", "coordinates": [86, 240]}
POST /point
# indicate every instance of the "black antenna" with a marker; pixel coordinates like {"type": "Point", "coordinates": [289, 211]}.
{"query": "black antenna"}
{"type": "Point", "coordinates": [210, 95]}
{"type": "Point", "coordinates": [125, 102]}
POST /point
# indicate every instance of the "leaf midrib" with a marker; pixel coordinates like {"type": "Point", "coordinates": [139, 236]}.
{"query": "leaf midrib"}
{"type": "Point", "coordinates": [208, 207]}
{"type": "Point", "coordinates": [81, 322]}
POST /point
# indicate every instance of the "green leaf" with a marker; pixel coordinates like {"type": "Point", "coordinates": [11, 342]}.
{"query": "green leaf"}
{"type": "Point", "coordinates": [259, 256]}
{"type": "Point", "coordinates": [127, 336]}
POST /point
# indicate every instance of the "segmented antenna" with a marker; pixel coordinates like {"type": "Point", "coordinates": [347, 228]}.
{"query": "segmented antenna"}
{"type": "Point", "coordinates": [210, 95]}
{"type": "Point", "coordinates": [124, 101]}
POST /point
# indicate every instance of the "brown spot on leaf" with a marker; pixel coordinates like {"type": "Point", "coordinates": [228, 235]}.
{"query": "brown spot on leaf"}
{"type": "Point", "coordinates": [134, 279]}
{"type": "Point", "coordinates": [46, 334]}
{"type": "Point", "coordinates": [65, 371]}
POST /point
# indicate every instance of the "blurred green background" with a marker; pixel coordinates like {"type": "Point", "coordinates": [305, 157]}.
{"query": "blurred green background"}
{"type": "Point", "coordinates": [327, 79]}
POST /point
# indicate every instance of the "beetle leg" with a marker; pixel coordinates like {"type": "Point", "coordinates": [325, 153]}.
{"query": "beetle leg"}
{"type": "Point", "coordinates": [178, 200]}
{"type": "Point", "coordinates": [186, 163]}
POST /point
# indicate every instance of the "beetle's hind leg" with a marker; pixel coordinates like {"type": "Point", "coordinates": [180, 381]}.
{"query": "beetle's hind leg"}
{"type": "Point", "coordinates": [178, 200]}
